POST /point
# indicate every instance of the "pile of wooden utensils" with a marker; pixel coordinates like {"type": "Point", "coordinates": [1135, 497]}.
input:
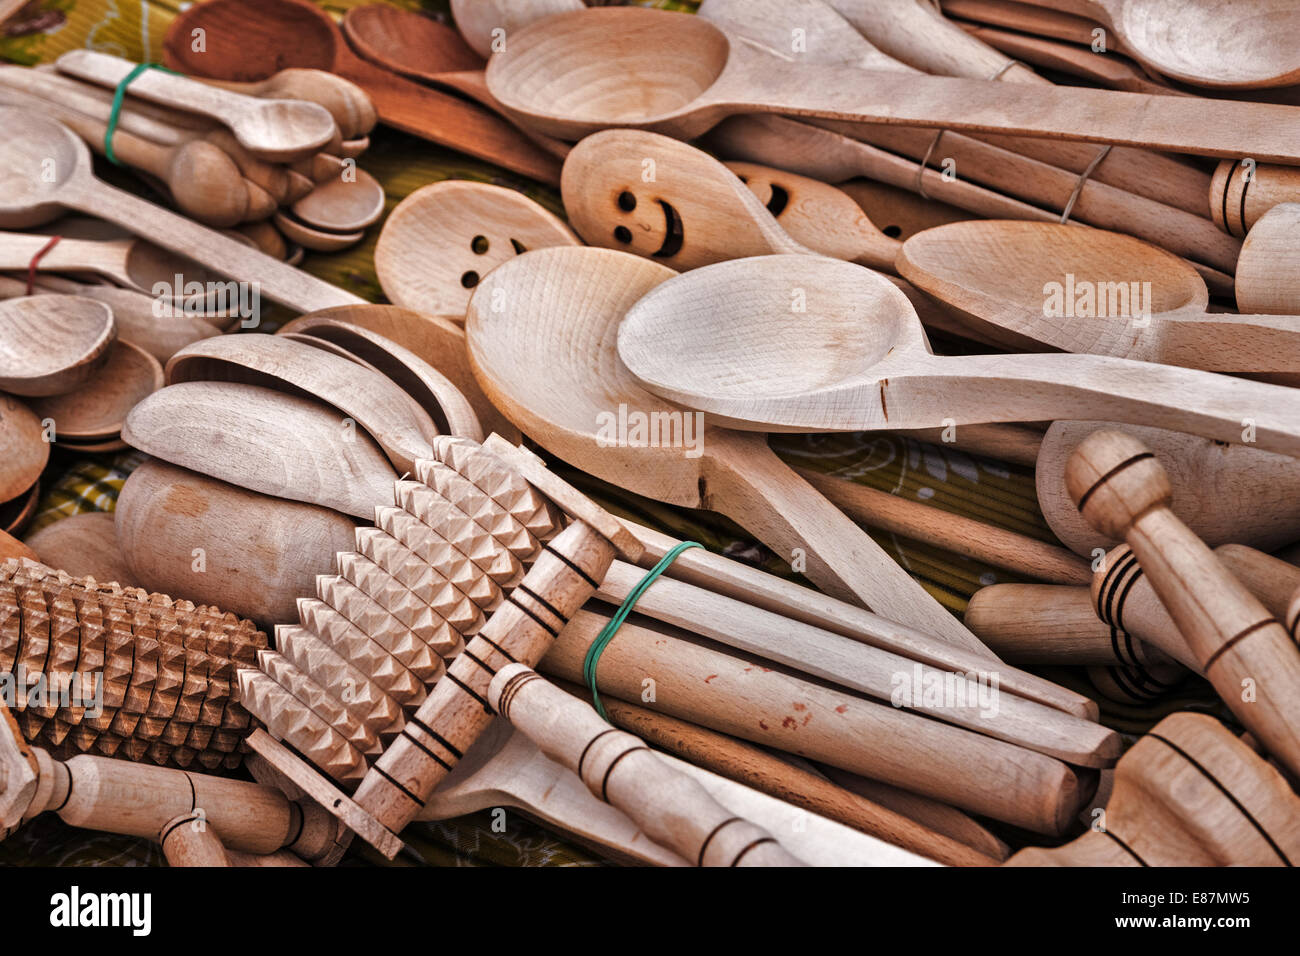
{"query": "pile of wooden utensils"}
{"type": "Point", "coordinates": [273, 160]}
{"type": "Point", "coordinates": [357, 482]}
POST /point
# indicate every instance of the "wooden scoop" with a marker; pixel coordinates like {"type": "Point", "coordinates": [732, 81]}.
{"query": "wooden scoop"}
{"type": "Point", "coordinates": [681, 75]}
{"type": "Point", "coordinates": [52, 344]}
{"type": "Point", "coordinates": [274, 129]}
{"type": "Point", "coordinates": [351, 108]}
{"type": "Point", "coordinates": [391, 417]}
{"type": "Point", "coordinates": [423, 49]}
{"type": "Point", "coordinates": [796, 343]}
{"type": "Point", "coordinates": [1223, 492]}
{"type": "Point", "coordinates": [245, 41]}
{"type": "Point", "coordinates": [342, 205]}
{"type": "Point", "coordinates": [443, 238]}
{"type": "Point", "coordinates": [23, 448]}
{"type": "Point", "coordinates": [264, 441]}
{"type": "Point", "coordinates": [1247, 46]}
{"type": "Point", "coordinates": [562, 307]}
{"type": "Point", "coordinates": [485, 22]}
{"type": "Point", "coordinates": [1115, 295]}
{"type": "Point", "coordinates": [31, 201]}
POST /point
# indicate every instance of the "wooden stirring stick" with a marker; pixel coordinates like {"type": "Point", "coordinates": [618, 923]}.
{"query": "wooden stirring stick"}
{"type": "Point", "coordinates": [1189, 793]}
{"type": "Point", "coordinates": [620, 769]}
{"type": "Point", "coordinates": [757, 768]}
{"type": "Point", "coordinates": [1121, 489]}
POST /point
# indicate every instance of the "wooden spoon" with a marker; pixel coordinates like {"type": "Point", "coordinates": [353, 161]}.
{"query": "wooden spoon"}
{"type": "Point", "coordinates": [342, 205]}
{"type": "Point", "coordinates": [318, 240]}
{"type": "Point", "coordinates": [141, 320]}
{"type": "Point", "coordinates": [484, 23]}
{"type": "Point", "coordinates": [1268, 272]}
{"type": "Point", "coordinates": [421, 48]}
{"type": "Point", "coordinates": [548, 359]}
{"type": "Point", "coordinates": [51, 344]}
{"type": "Point", "coordinates": [245, 41]}
{"type": "Point", "coordinates": [31, 201]}
{"type": "Point", "coordinates": [436, 339]}
{"type": "Point", "coordinates": [265, 441]}
{"type": "Point", "coordinates": [1115, 295]}
{"type": "Point", "coordinates": [194, 537]}
{"type": "Point", "coordinates": [1252, 45]}
{"type": "Point", "coordinates": [681, 75]}
{"type": "Point", "coordinates": [96, 410]}
{"type": "Point", "coordinates": [277, 130]}
{"type": "Point", "coordinates": [351, 108]}
{"type": "Point", "coordinates": [24, 449]}
{"type": "Point", "coordinates": [389, 415]}
{"type": "Point", "coordinates": [443, 238]}
{"type": "Point", "coordinates": [133, 264]}
{"type": "Point", "coordinates": [83, 544]}
{"type": "Point", "coordinates": [1224, 493]}
{"type": "Point", "coordinates": [730, 339]}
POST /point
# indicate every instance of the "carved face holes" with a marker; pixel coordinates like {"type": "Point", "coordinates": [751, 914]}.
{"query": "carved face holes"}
{"type": "Point", "coordinates": [626, 201]}
{"type": "Point", "coordinates": [469, 279]}
{"type": "Point", "coordinates": [480, 245]}
{"type": "Point", "coordinates": [623, 234]}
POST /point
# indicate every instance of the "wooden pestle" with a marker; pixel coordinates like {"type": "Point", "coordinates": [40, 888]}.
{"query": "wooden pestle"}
{"type": "Point", "coordinates": [1189, 793]}
{"type": "Point", "coordinates": [1121, 489]}
{"type": "Point", "coordinates": [755, 767]}
{"type": "Point", "coordinates": [731, 695]}
{"type": "Point", "coordinates": [861, 668]}
{"type": "Point", "coordinates": [1241, 193]}
{"type": "Point", "coordinates": [673, 810]}
{"type": "Point", "coordinates": [137, 799]}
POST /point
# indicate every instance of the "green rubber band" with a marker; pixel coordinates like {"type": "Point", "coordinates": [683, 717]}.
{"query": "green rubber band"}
{"type": "Point", "coordinates": [609, 630]}
{"type": "Point", "coordinates": [119, 96]}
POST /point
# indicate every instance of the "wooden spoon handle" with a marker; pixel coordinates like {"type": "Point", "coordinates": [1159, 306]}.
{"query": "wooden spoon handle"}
{"type": "Point", "coordinates": [748, 483]}
{"type": "Point", "coordinates": [277, 281]}
{"type": "Point", "coordinates": [1037, 387]}
{"type": "Point", "coordinates": [1191, 125]}
{"type": "Point", "coordinates": [1224, 342]}
{"type": "Point", "coordinates": [620, 769]}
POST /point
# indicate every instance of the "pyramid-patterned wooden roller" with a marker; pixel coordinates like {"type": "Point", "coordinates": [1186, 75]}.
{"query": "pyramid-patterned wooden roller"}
{"type": "Point", "coordinates": [129, 673]}
{"type": "Point", "coordinates": [477, 546]}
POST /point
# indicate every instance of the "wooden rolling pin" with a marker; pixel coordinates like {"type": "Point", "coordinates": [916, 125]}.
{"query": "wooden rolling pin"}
{"type": "Point", "coordinates": [731, 695]}
{"type": "Point", "coordinates": [755, 767]}
{"type": "Point", "coordinates": [138, 799]}
{"type": "Point", "coordinates": [952, 532]}
{"type": "Point", "coordinates": [859, 667]}
{"type": "Point", "coordinates": [673, 810]}
{"type": "Point", "coordinates": [733, 579]}
{"type": "Point", "coordinates": [1120, 488]}
{"type": "Point", "coordinates": [1187, 794]}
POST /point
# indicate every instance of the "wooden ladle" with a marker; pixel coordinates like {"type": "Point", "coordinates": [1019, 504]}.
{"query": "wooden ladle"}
{"type": "Point", "coordinates": [479, 20]}
{"type": "Point", "coordinates": [1246, 46]}
{"type": "Point", "coordinates": [441, 240]}
{"type": "Point", "coordinates": [391, 417]}
{"type": "Point", "coordinates": [573, 73]}
{"type": "Point", "coordinates": [798, 343]}
{"type": "Point", "coordinates": [282, 445]}
{"type": "Point", "coordinates": [245, 41]}
{"type": "Point", "coordinates": [29, 200]}
{"type": "Point", "coordinates": [277, 130]}
{"type": "Point", "coordinates": [1113, 295]}
{"type": "Point", "coordinates": [548, 360]}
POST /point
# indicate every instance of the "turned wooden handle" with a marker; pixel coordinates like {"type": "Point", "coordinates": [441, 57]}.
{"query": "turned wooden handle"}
{"type": "Point", "coordinates": [621, 770]}
{"type": "Point", "coordinates": [565, 575]}
{"type": "Point", "coordinates": [188, 840]}
{"type": "Point", "coordinates": [1122, 490]}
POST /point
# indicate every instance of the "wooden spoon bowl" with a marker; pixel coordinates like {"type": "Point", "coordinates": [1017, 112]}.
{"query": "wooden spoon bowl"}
{"type": "Point", "coordinates": [96, 411]}
{"type": "Point", "coordinates": [51, 344]}
{"type": "Point", "coordinates": [342, 205]}
{"type": "Point", "coordinates": [23, 448]}
{"type": "Point", "coordinates": [441, 240]}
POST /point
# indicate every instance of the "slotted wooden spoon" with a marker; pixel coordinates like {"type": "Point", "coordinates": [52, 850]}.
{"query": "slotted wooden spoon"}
{"type": "Point", "coordinates": [797, 343]}
{"type": "Point", "coordinates": [548, 359]}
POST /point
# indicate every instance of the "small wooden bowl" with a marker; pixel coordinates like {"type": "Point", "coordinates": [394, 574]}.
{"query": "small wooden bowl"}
{"type": "Point", "coordinates": [24, 451]}
{"type": "Point", "coordinates": [51, 344]}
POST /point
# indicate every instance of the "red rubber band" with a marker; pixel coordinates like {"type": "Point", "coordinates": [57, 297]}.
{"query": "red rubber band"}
{"type": "Point", "coordinates": [31, 266]}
